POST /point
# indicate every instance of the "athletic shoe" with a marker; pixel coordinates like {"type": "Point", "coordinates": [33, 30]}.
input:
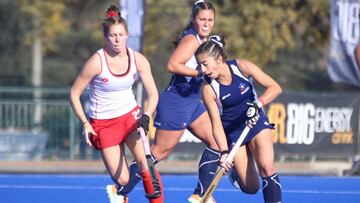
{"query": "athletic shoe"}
{"type": "Point", "coordinates": [111, 191]}
{"type": "Point", "coordinates": [195, 198]}
{"type": "Point", "coordinates": [233, 178]}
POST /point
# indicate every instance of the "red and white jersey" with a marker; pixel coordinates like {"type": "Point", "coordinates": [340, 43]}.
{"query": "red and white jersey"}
{"type": "Point", "coordinates": [111, 95]}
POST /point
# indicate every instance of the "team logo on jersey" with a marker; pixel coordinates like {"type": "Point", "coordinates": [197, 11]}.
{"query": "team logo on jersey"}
{"type": "Point", "coordinates": [105, 80]}
{"type": "Point", "coordinates": [243, 88]}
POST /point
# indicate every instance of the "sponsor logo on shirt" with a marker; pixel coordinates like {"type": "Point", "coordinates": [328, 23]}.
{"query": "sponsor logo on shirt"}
{"type": "Point", "coordinates": [225, 96]}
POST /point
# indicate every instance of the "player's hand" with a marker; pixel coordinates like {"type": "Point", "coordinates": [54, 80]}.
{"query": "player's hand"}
{"type": "Point", "coordinates": [252, 114]}
{"type": "Point", "coordinates": [252, 122]}
{"type": "Point", "coordinates": [88, 131]}
{"type": "Point", "coordinates": [222, 161]}
{"type": "Point", "coordinates": [143, 122]}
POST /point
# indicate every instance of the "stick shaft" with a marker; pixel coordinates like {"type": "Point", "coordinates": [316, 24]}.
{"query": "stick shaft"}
{"type": "Point", "coordinates": [220, 172]}
{"type": "Point", "coordinates": [145, 142]}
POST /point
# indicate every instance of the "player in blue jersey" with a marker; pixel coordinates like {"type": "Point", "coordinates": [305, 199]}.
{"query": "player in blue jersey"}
{"type": "Point", "coordinates": [227, 95]}
{"type": "Point", "coordinates": [180, 106]}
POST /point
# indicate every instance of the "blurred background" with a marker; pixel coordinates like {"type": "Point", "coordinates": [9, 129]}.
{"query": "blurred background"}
{"type": "Point", "coordinates": [307, 46]}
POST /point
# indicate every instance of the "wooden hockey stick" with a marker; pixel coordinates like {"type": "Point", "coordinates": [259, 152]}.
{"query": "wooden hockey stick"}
{"type": "Point", "coordinates": [220, 171]}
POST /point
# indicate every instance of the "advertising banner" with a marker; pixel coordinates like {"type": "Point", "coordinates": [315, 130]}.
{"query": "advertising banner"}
{"type": "Point", "coordinates": [344, 50]}
{"type": "Point", "coordinates": [316, 124]}
{"type": "Point", "coordinates": [307, 124]}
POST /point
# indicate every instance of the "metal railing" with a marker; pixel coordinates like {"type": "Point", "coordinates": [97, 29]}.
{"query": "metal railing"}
{"type": "Point", "coordinates": [21, 113]}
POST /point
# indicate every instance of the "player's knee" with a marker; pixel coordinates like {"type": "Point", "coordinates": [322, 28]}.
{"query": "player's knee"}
{"type": "Point", "coordinates": [161, 154]}
{"type": "Point", "coordinates": [122, 180]}
{"type": "Point", "coordinates": [210, 141]}
{"type": "Point", "coordinates": [250, 189]}
{"type": "Point", "coordinates": [266, 171]}
{"type": "Point", "coordinates": [213, 145]}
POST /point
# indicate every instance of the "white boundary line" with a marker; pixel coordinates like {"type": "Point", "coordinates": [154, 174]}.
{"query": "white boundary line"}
{"type": "Point", "coordinates": [71, 187]}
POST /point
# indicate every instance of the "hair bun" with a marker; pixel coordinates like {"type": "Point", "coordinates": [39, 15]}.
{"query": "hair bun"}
{"type": "Point", "coordinates": [113, 11]}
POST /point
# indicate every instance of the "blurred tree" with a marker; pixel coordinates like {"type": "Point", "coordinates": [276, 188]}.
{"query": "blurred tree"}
{"type": "Point", "coordinates": [45, 24]}
{"type": "Point", "coordinates": [262, 31]}
{"type": "Point", "coordinates": [13, 52]}
{"type": "Point", "coordinates": [289, 38]}
{"type": "Point", "coordinates": [76, 46]}
{"type": "Point", "coordinates": [164, 20]}
{"type": "Point", "coordinates": [258, 29]}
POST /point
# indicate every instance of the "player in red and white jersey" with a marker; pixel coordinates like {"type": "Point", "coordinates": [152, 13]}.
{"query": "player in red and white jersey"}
{"type": "Point", "coordinates": [114, 113]}
{"type": "Point", "coordinates": [111, 94]}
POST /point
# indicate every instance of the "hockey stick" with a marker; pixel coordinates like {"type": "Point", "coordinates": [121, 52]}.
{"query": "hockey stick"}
{"type": "Point", "coordinates": [220, 171]}
{"type": "Point", "coordinates": [151, 166]}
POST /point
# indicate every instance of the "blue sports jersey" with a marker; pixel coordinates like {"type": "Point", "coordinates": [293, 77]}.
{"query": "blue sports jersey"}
{"type": "Point", "coordinates": [180, 104]}
{"type": "Point", "coordinates": [184, 85]}
{"type": "Point", "coordinates": [232, 102]}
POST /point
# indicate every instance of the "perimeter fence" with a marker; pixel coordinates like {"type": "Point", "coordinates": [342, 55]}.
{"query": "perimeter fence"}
{"type": "Point", "coordinates": [38, 124]}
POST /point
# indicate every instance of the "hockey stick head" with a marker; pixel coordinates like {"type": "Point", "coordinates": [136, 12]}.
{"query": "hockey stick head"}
{"type": "Point", "coordinates": [150, 162]}
{"type": "Point", "coordinates": [155, 194]}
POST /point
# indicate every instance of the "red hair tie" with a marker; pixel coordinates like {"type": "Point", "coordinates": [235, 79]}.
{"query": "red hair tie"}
{"type": "Point", "coordinates": [112, 14]}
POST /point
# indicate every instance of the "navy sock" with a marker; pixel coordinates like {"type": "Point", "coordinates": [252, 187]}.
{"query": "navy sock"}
{"type": "Point", "coordinates": [133, 179]}
{"type": "Point", "coordinates": [271, 189]}
{"type": "Point", "coordinates": [207, 168]}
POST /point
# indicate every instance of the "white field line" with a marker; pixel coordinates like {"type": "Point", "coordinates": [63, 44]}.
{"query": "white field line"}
{"type": "Point", "coordinates": [71, 187]}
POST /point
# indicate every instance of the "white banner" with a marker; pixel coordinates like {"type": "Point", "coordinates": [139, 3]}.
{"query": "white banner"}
{"type": "Point", "coordinates": [345, 38]}
{"type": "Point", "coordinates": [133, 12]}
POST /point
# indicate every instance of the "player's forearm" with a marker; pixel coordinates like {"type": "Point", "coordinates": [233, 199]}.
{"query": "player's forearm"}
{"type": "Point", "coordinates": [270, 94]}
{"type": "Point", "coordinates": [181, 69]}
{"type": "Point", "coordinates": [220, 139]}
{"type": "Point", "coordinates": [151, 104]}
{"type": "Point", "coordinates": [76, 104]}
{"type": "Point", "coordinates": [78, 109]}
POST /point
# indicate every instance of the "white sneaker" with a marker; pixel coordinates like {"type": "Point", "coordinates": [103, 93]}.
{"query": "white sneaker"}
{"type": "Point", "coordinates": [111, 191]}
{"type": "Point", "coordinates": [195, 198]}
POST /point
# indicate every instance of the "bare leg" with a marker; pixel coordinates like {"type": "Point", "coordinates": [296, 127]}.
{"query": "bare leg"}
{"type": "Point", "coordinates": [136, 147]}
{"type": "Point", "coordinates": [245, 167]}
{"type": "Point", "coordinates": [115, 163]}
{"type": "Point", "coordinates": [263, 150]}
{"type": "Point", "coordinates": [165, 142]}
{"type": "Point", "coordinates": [202, 129]}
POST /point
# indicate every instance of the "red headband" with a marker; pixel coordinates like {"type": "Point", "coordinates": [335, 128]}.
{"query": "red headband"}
{"type": "Point", "coordinates": [112, 14]}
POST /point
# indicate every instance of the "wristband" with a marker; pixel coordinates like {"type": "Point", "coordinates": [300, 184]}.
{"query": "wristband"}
{"type": "Point", "coordinates": [224, 152]}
